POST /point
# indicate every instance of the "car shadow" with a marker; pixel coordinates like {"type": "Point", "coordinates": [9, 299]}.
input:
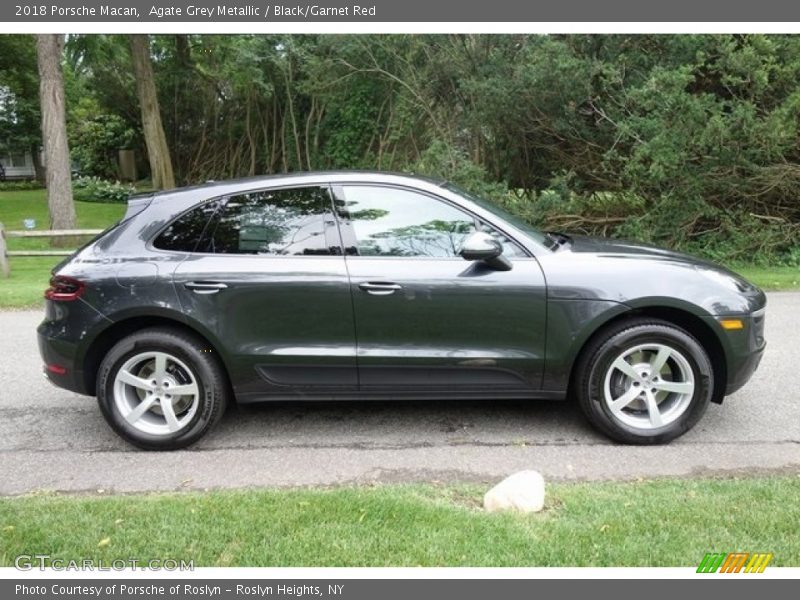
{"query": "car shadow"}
{"type": "Point", "coordinates": [401, 424]}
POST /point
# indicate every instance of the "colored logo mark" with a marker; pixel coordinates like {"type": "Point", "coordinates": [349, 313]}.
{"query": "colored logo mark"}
{"type": "Point", "coordinates": [734, 562]}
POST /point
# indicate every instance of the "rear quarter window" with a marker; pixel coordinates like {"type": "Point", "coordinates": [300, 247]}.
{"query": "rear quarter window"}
{"type": "Point", "coordinates": [185, 232]}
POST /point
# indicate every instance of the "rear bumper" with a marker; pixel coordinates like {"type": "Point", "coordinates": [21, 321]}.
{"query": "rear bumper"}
{"type": "Point", "coordinates": [57, 355]}
{"type": "Point", "coordinates": [64, 337]}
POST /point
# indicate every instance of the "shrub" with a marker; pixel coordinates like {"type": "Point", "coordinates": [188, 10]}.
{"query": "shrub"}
{"type": "Point", "coordinates": [21, 185]}
{"type": "Point", "coordinates": [440, 160]}
{"type": "Point", "coordinates": [94, 189]}
{"type": "Point", "coordinates": [95, 140]}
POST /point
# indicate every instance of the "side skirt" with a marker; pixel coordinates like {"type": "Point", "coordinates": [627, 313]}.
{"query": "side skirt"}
{"type": "Point", "coordinates": [304, 395]}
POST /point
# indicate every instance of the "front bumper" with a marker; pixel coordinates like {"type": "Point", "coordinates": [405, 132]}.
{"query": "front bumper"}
{"type": "Point", "coordinates": [744, 371]}
{"type": "Point", "coordinates": [744, 349]}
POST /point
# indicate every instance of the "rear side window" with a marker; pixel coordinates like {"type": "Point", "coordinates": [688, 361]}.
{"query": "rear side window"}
{"type": "Point", "coordinates": [284, 222]}
{"type": "Point", "coordinates": [185, 232]}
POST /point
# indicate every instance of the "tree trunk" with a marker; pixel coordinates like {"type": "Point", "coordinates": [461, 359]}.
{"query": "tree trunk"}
{"type": "Point", "coordinates": [154, 137]}
{"type": "Point", "coordinates": [38, 167]}
{"type": "Point", "coordinates": [49, 48]}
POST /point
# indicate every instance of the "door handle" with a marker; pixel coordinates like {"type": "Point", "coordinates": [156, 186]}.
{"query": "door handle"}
{"type": "Point", "coordinates": [204, 287]}
{"type": "Point", "coordinates": [379, 289]}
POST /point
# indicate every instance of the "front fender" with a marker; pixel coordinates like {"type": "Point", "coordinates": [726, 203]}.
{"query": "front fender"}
{"type": "Point", "coordinates": [570, 323]}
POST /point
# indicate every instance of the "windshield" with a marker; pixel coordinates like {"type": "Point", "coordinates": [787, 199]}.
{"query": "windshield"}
{"type": "Point", "coordinates": [517, 222]}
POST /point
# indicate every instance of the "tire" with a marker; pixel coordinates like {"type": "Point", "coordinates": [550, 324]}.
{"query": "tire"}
{"type": "Point", "coordinates": [136, 401]}
{"type": "Point", "coordinates": [634, 404]}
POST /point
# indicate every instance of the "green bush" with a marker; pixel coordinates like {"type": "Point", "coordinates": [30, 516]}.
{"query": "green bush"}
{"type": "Point", "coordinates": [95, 139]}
{"type": "Point", "coordinates": [440, 160]}
{"type": "Point", "coordinates": [94, 189]}
{"type": "Point", "coordinates": [18, 186]}
{"type": "Point", "coordinates": [685, 224]}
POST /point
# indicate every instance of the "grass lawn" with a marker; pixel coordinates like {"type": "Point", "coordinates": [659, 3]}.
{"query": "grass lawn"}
{"type": "Point", "coordinates": [649, 523]}
{"type": "Point", "coordinates": [29, 276]}
{"type": "Point", "coordinates": [771, 278]}
{"type": "Point", "coordinates": [32, 204]}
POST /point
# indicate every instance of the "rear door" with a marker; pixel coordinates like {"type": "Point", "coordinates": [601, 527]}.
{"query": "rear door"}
{"type": "Point", "coordinates": [269, 280]}
{"type": "Point", "coordinates": [426, 319]}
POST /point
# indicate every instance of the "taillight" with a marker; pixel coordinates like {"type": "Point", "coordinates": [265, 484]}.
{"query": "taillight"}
{"type": "Point", "coordinates": [64, 288]}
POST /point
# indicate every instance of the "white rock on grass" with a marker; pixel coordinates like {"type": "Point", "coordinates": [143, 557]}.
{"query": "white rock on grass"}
{"type": "Point", "coordinates": [522, 492]}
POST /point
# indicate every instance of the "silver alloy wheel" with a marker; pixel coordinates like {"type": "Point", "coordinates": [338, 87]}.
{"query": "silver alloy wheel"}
{"type": "Point", "coordinates": [649, 386]}
{"type": "Point", "coordinates": [156, 393]}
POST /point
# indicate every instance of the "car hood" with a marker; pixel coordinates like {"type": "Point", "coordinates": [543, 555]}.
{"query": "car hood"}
{"type": "Point", "coordinates": [624, 248]}
{"type": "Point", "coordinates": [599, 245]}
{"type": "Point", "coordinates": [651, 270]}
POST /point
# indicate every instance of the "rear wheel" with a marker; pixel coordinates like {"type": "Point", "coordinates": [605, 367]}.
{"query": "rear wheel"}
{"type": "Point", "coordinates": [161, 389]}
{"type": "Point", "coordinates": [644, 382]}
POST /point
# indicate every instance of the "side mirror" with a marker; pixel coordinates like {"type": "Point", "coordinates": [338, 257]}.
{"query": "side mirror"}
{"type": "Point", "coordinates": [482, 246]}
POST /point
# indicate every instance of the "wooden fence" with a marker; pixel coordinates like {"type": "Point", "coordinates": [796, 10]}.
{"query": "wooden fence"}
{"type": "Point", "coordinates": [5, 269]}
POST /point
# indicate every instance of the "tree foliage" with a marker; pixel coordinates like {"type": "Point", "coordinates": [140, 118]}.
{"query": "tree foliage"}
{"type": "Point", "coordinates": [685, 140]}
{"type": "Point", "coordinates": [96, 138]}
{"type": "Point", "coordinates": [20, 117]}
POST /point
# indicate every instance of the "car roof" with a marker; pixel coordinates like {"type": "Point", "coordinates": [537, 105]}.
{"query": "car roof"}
{"type": "Point", "coordinates": [170, 203]}
{"type": "Point", "coordinates": [297, 177]}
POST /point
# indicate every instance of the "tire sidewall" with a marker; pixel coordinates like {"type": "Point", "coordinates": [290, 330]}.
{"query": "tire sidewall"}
{"type": "Point", "coordinates": [192, 357]}
{"type": "Point", "coordinates": [648, 334]}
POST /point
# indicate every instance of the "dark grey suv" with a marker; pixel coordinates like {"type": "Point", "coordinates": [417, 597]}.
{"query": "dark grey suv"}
{"type": "Point", "coordinates": [375, 286]}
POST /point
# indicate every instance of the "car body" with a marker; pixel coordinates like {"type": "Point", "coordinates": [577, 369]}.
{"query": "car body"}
{"type": "Point", "coordinates": [354, 285]}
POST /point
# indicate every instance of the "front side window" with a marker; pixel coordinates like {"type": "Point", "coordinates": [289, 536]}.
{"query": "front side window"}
{"type": "Point", "coordinates": [384, 221]}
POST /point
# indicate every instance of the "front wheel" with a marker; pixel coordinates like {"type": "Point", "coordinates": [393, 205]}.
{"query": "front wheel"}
{"type": "Point", "coordinates": [161, 389]}
{"type": "Point", "coordinates": [645, 381]}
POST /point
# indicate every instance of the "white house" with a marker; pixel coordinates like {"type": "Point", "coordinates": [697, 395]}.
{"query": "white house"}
{"type": "Point", "coordinates": [17, 165]}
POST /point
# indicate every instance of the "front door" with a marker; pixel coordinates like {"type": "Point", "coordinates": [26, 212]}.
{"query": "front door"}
{"type": "Point", "coordinates": [426, 319]}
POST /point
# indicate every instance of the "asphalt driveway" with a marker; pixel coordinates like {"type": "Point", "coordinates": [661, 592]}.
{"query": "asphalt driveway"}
{"type": "Point", "coordinates": [51, 439]}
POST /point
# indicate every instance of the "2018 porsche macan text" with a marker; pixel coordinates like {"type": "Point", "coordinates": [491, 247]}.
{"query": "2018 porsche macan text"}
{"type": "Point", "coordinates": [358, 285]}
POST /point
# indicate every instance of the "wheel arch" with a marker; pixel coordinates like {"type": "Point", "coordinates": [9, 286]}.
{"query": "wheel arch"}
{"type": "Point", "coordinates": [131, 323]}
{"type": "Point", "coordinates": [680, 317]}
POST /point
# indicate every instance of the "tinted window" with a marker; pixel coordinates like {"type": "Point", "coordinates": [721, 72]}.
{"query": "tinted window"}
{"type": "Point", "coordinates": [274, 222]}
{"type": "Point", "coordinates": [184, 233]}
{"type": "Point", "coordinates": [383, 221]}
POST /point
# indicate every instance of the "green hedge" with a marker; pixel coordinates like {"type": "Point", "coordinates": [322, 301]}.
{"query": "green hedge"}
{"type": "Point", "coordinates": [20, 185]}
{"type": "Point", "coordinates": [94, 189]}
